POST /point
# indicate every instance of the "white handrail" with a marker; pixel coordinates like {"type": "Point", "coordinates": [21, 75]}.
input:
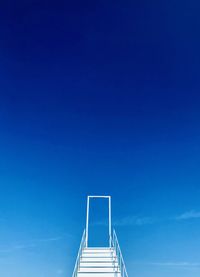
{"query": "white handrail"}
{"type": "Point", "coordinates": [120, 259]}
{"type": "Point", "coordinates": [82, 245]}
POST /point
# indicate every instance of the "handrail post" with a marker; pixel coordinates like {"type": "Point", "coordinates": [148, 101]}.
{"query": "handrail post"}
{"type": "Point", "coordinates": [110, 235]}
{"type": "Point", "coordinates": [87, 221]}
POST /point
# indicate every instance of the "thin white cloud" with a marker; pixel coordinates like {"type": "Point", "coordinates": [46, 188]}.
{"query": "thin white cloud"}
{"type": "Point", "coordinates": [24, 246]}
{"type": "Point", "coordinates": [191, 265]}
{"type": "Point", "coordinates": [129, 221]}
{"type": "Point", "coordinates": [188, 215]}
{"type": "Point", "coordinates": [134, 221]}
{"type": "Point", "coordinates": [29, 244]}
{"type": "Point", "coordinates": [60, 272]}
{"type": "Point", "coordinates": [176, 264]}
{"type": "Point", "coordinates": [5, 250]}
{"type": "Point", "coordinates": [140, 221]}
{"type": "Point", "coordinates": [49, 239]}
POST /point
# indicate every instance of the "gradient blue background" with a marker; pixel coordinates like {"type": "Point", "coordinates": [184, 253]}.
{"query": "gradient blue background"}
{"type": "Point", "coordinates": [99, 97]}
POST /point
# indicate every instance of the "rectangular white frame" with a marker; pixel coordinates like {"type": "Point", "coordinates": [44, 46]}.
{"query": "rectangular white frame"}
{"type": "Point", "coordinates": [109, 217]}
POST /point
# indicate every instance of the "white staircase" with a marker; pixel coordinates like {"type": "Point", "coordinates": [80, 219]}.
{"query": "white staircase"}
{"type": "Point", "coordinates": [99, 261]}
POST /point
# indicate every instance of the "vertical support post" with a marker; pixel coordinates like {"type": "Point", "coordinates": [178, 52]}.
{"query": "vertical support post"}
{"type": "Point", "coordinates": [87, 221]}
{"type": "Point", "coordinates": [110, 231]}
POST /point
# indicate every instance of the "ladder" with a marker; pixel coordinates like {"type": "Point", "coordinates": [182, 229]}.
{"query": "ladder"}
{"type": "Point", "coordinates": [99, 261]}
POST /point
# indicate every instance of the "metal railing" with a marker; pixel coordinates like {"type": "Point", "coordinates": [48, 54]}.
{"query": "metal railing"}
{"type": "Point", "coordinates": [77, 264]}
{"type": "Point", "coordinates": [115, 245]}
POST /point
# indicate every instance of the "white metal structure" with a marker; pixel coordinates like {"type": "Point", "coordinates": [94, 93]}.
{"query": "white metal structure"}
{"type": "Point", "coordinates": [99, 261]}
{"type": "Point", "coordinates": [109, 216]}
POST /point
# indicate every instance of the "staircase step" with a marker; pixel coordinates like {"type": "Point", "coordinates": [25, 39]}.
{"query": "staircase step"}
{"type": "Point", "coordinates": [97, 259]}
{"type": "Point", "coordinates": [98, 269]}
{"type": "Point", "coordinates": [98, 264]}
{"type": "Point", "coordinates": [97, 250]}
{"type": "Point", "coordinates": [94, 274]}
{"type": "Point", "coordinates": [97, 254]}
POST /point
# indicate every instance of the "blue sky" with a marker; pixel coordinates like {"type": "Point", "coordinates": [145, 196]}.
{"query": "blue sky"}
{"type": "Point", "coordinates": [100, 97]}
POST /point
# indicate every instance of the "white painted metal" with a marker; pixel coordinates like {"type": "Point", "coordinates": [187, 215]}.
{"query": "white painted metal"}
{"type": "Point", "coordinates": [95, 261]}
{"type": "Point", "coordinates": [118, 252]}
{"type": "Point", "coordinates": [82, 245]}
{"type": "Point", "coordinates": [109, 216]}
{"type": "Point", "coordinates": [99, 261]}
{"type": "Point", "coordinates": [87, 221]}
{"type": "Point", "coordinates": [97, 274]}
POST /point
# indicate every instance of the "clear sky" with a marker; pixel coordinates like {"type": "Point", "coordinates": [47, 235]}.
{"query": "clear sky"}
{"type": "Point", "coordinates": [99, 97]}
